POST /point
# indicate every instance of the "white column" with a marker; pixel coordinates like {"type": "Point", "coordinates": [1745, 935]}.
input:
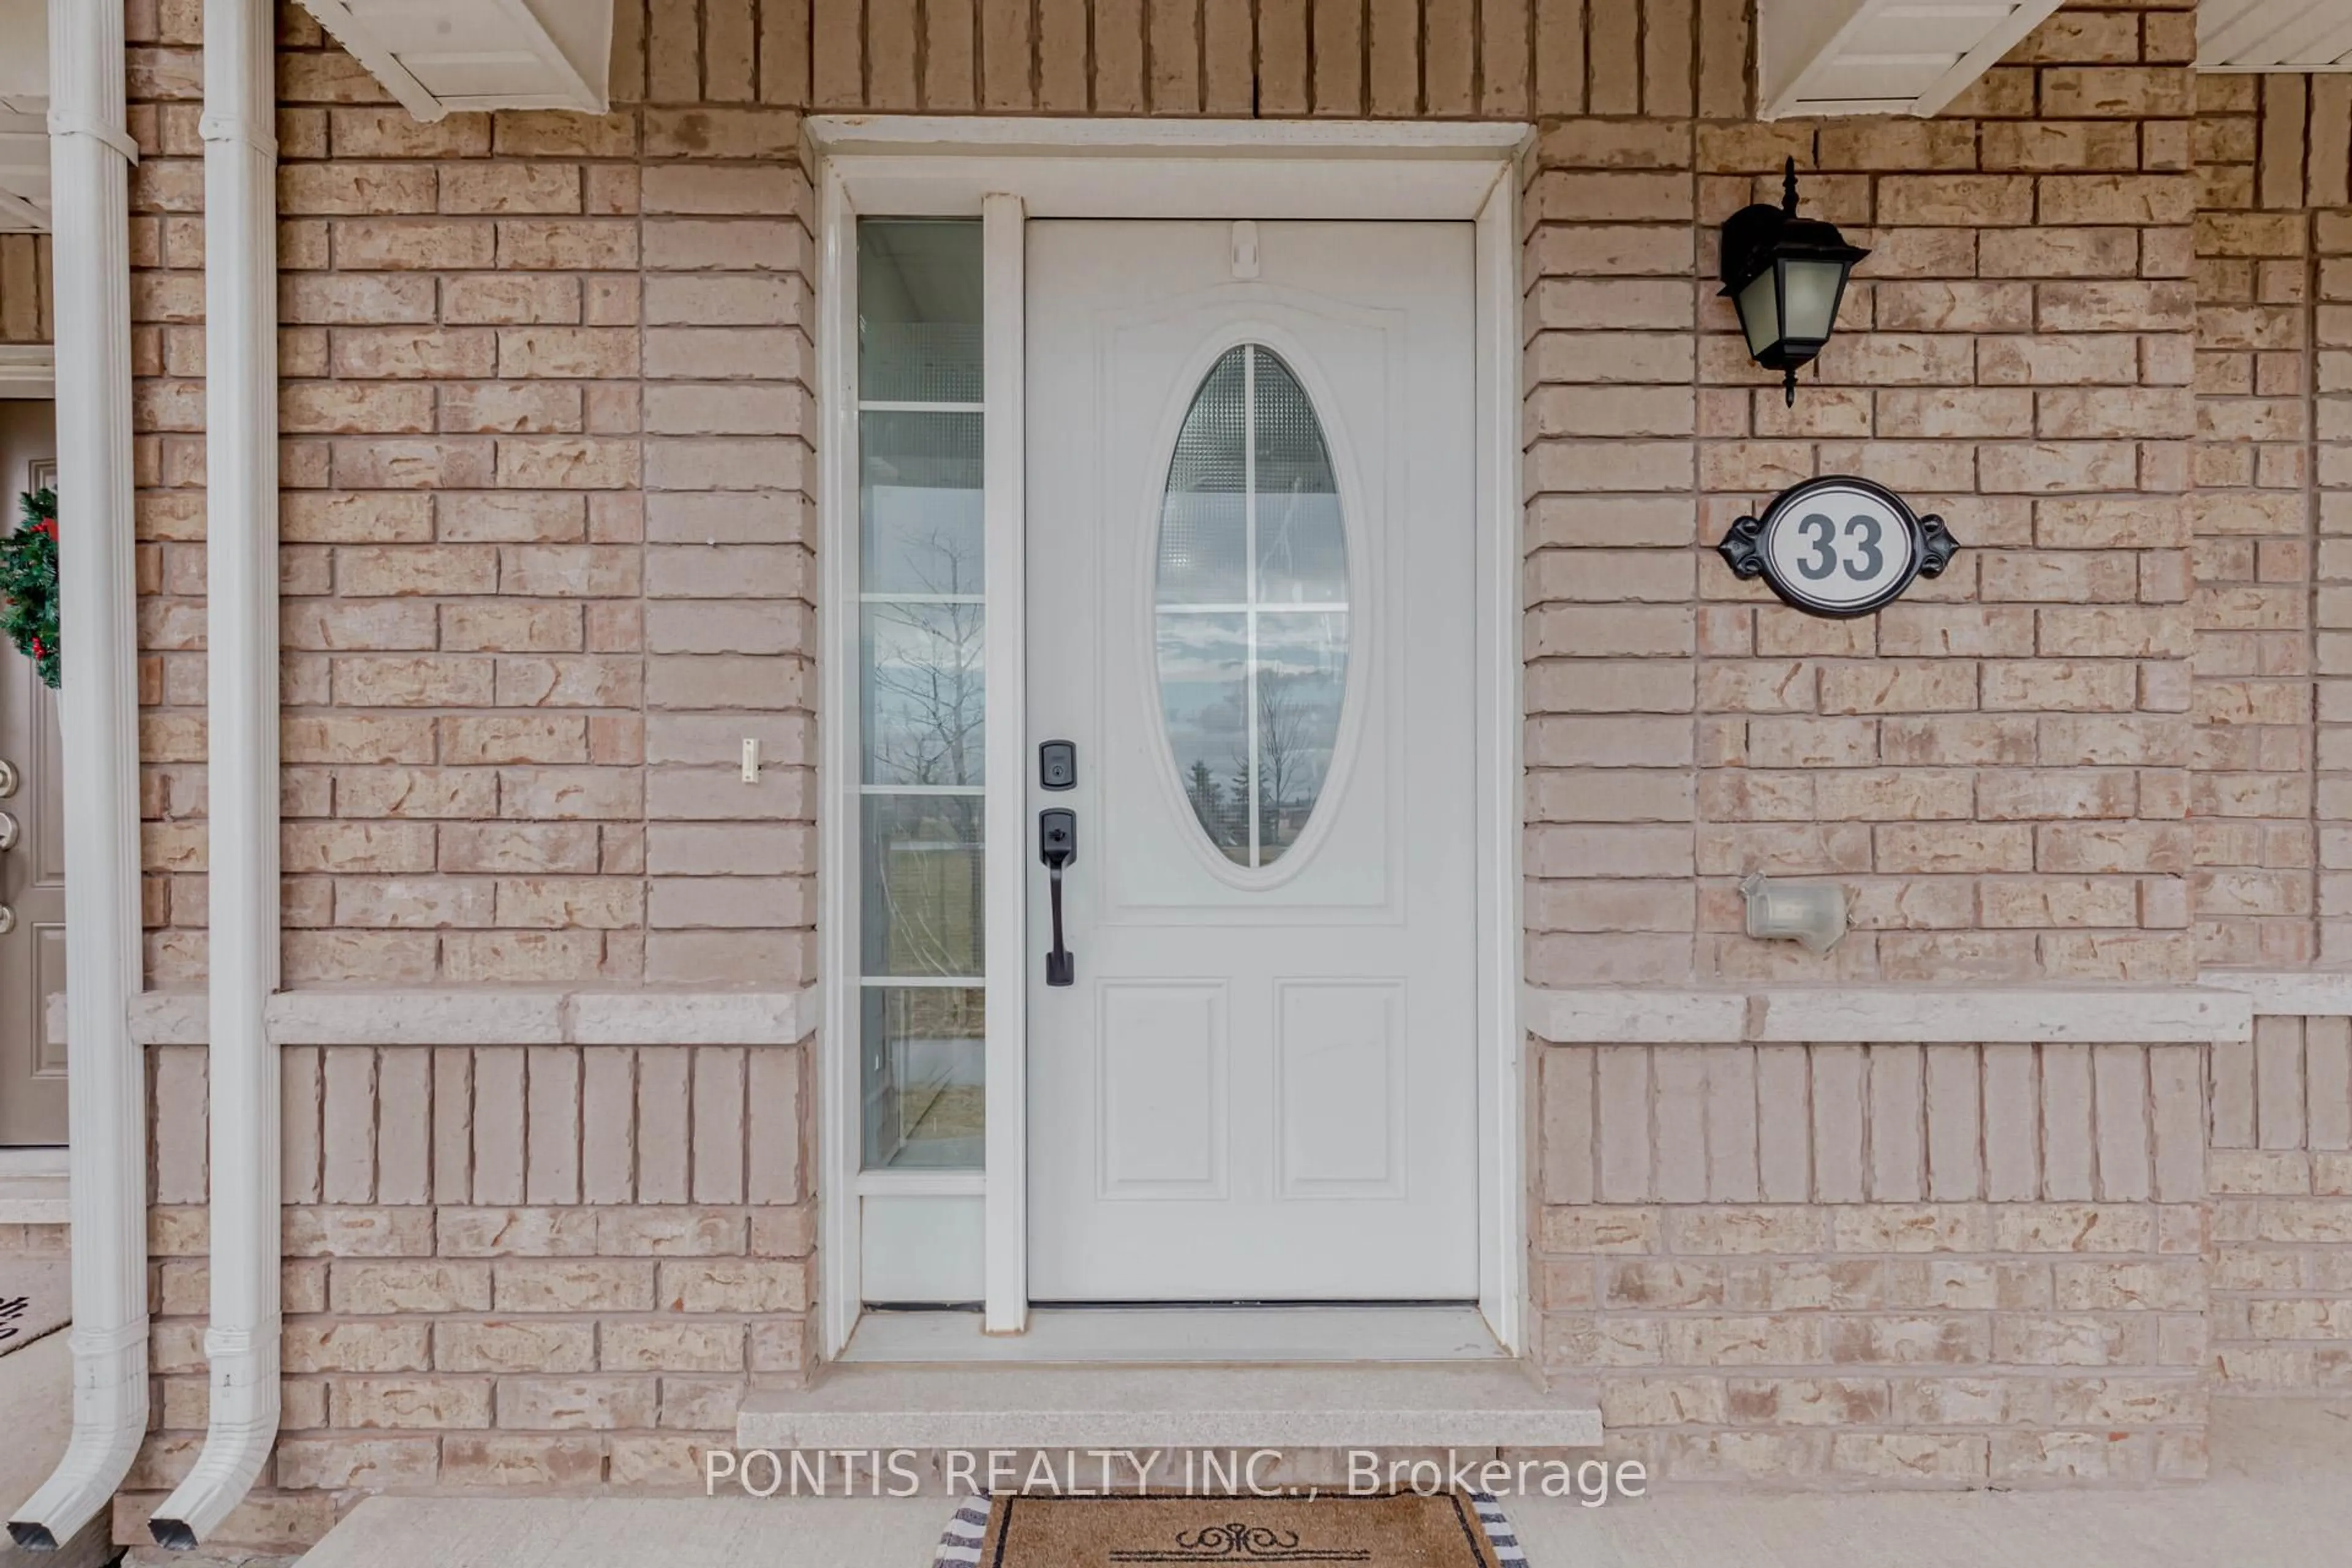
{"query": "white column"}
{"type": "Point", "coordinates": [89, 160]}
{"type": "Point", "coordinates": [241, 768]}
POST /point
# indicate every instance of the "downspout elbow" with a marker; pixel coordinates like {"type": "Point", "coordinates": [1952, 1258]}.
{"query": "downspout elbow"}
{"type": "Point", "coordinates": [239, 1434]}
{"type": "Point", "coordinates": [110, 1420]}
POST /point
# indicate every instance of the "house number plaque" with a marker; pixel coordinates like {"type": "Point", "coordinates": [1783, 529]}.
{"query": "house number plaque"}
{"type": "Point", "coordinates": [1838, 547]}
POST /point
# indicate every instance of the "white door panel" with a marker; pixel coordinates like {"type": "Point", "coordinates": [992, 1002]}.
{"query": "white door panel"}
{"type": "Point", "coordinates": [1250, 604]}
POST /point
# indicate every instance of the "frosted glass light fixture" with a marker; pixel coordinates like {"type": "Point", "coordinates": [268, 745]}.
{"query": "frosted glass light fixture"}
{"type": "Point", "coordinates": [1786, 275]}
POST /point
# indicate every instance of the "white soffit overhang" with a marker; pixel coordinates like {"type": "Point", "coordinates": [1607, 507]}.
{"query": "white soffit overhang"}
{"type": "Point", "coordinates": [24, 115]}
{"type": "Point", "coordinates": [439, 57]}
{"type": "Point", "coordinates": [1882, 57]}
{"type": "Point", "coordinates": [2274, 35]}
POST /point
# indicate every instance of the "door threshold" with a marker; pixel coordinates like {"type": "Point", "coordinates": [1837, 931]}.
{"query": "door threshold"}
{"type": "Point", "coordinates": [1178, 1335]}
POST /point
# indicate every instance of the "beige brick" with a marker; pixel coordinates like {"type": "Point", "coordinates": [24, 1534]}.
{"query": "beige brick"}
{"type": "Point", "coordinates": [503, 1460]}
{"type": "Point", "coordinates": [411, 1402]}
{"type": "Point", "coordinates": [576, 1404]}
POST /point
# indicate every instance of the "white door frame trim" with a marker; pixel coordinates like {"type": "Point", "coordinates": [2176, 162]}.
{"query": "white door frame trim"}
{"type": "Point", "coordinates": [1007, 170]}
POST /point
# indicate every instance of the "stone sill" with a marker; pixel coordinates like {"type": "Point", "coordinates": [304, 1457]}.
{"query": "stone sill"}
{"type": "Point", "coordinates": [457, 1016]}
{"type": "Point", "coordinates": [1362, 1404]}
{"type": "Point", "coordinates": [1889, 1016]}
{"type": "Point", "coordinates": [33, 1188]}
{"type": "Point", "coordinates": [2220, 1007]}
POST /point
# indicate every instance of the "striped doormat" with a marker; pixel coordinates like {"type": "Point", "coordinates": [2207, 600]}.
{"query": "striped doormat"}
{"type": "Point", "coordinates": [1448, 1530]}
{"type": "Point", "coordinates": [36, 1299]}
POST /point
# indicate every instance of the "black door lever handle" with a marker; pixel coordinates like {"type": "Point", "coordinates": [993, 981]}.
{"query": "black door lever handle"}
{"type": "Point", "coordinates": [1057, 846]}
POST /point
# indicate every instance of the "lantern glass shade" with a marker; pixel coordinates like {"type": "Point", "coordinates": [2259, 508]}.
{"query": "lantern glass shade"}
{"type": "Point", "coordinates": [1788, 310]}
{"type": "Point", "coordinates": [1809, 289]}
{"type": "Point", "coordinates": [1759, 313]}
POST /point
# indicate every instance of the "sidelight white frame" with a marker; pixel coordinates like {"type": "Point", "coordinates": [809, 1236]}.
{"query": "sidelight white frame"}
{"type": "Point", "coordinates": [1006, 171]}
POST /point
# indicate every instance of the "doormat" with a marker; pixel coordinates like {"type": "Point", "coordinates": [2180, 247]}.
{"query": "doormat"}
{"type": "Point", "coordinates": [1450, 1530]}
{"type": "Point", "coordinates": [36, 1299]}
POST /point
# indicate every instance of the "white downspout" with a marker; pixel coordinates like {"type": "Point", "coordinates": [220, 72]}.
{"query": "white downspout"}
{"type": "Point", "coordinates": [238, 128]}
{"type": "Point", "coordinates": [90, 166]}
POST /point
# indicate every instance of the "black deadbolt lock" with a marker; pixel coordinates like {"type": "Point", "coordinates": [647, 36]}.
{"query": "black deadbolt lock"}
{"type": "Point", "coordinates": [1057, 765]}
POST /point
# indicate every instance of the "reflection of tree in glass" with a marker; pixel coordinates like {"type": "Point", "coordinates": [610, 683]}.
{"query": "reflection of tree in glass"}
{"type": "Point", "coordinates": [1290, 765]}
{"type": "Point", "coordinates": [1208, 798]}
{"type": "Point", "coordinates": [932, 686]}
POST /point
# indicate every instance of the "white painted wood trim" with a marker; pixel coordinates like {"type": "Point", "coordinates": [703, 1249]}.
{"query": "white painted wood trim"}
{"type": "Point", "coordinates": [841, 1131]}
{"type": "Point", "coordinates": [27, 370]}
{"type": "Point", "coordinates": [89, 158]}
{"type": "Point", "coordinates": [2288, 992]}
{"type": "Point", "coordinates": [926, 166]}
{"type": "Point", "coordinates": [1498, 804]}
{"type": "Point", "coordinates": [836, 135]}
{"type": "Point", "coordinates": [2117, 1015]}
{"type": "Point", "coordinates": [1004, 467]}
{"type": "Point", "coordinates": [922, 1184]}
{"type": "Point", "coordinates": [1168, 184]}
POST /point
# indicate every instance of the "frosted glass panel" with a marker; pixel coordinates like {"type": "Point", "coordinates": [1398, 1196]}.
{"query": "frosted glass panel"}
{"type": "Point", "coordinates": [918, 311]}
{"type": "Point", "coordinates": [1252, 593]}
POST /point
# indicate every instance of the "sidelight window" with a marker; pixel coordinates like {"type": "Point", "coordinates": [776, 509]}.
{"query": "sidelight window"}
{"type": "Point", "coordinates": [922, 690]}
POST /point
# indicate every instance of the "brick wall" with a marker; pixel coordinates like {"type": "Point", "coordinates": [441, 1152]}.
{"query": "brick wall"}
{"type": "Point", "coordinates": [505, 1265]}
{"type": "Point", "coordinates": [546, 507]}
{"type": "Point", "coordinates": [545, 523]}
{"type": "Point", "coordinates": [24, 285]}
{"type": "Point", "coordinates": [1883, 1264]}
{"type": "Point", "coordinates": [547, 562]}
{"type": "Point", "coordinates": [2255, 848]}
{"type": "Point", "coordinates": [2281, 1208]}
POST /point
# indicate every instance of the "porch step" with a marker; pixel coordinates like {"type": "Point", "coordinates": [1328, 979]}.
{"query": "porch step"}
{"type": "Point", "coordinates": [1465, 1405]}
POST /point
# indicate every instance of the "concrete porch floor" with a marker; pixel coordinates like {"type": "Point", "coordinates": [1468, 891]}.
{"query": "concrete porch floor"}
{"type": "Point", "coordinates": [2279, 1495]}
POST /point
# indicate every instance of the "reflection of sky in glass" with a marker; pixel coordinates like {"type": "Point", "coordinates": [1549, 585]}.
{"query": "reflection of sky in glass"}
{"type": "Point", "coordinates": [920, 504]}
{"type": "Point", "coordinates": [1250, 693]}
{"type": "Point", "coordinates": [1203, 660]}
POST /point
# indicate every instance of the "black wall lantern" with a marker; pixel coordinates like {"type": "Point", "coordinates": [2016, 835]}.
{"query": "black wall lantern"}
{"type": "Point", "coordinates": [1786, 275]}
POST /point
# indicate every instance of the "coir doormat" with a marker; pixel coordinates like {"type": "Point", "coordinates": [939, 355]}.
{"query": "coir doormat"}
{"type": "Point", "coordinates": [36, 1299]}
{"type": "Point", "coordinates": [1450, 1530]}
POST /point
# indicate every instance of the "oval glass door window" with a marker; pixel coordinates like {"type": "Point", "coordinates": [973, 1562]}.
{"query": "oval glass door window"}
{"type": "Point", "coordinates": [1250, 607]}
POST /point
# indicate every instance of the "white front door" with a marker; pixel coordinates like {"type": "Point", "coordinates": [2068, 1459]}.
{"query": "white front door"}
{"type": "Point", "coordinates": [1250, 609]}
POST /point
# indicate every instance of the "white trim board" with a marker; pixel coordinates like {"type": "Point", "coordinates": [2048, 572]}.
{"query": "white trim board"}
{"type": "Point", "coordinates": [1619, 1015]}
{"type": "Point", "coordinates": [28, 370]}
{"type": "Point", "coordinates": [1013, 169]}
{"type": "Point", "coordinates": [1216, 1335]}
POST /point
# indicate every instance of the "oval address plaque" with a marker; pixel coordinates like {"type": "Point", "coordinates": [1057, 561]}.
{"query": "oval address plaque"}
{"type": "Point", "coordinates": [1838, 546]}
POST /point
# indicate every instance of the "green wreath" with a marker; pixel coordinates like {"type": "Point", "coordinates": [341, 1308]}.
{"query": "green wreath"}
{"type": "Point", "coordinates": [28, 583]}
